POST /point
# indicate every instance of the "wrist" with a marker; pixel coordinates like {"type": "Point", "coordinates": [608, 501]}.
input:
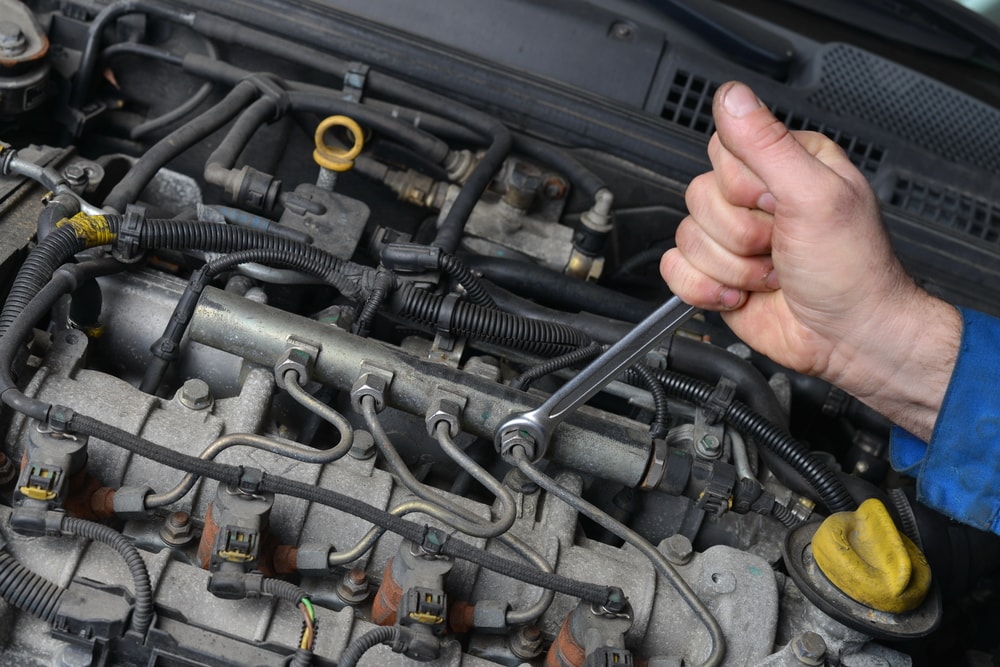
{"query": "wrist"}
{"type": "Point", "coordinates": [903, 369]}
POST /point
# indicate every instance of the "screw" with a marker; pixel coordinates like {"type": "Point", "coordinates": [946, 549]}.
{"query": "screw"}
{"type": "Point", "coordinates": [177, 530]}
{"type": "Point", "coordinates": [677, 548]}
{"type": "Point", "coordinates": [526, 643]}
{"type": "Point", "coordinates": [195, 395]}
{"type": "Point", "coordinates": [353, 586]}
{"type": "Point", "coordinates": [809, 648]}
{"type": "Point", "coordinates": [709, 446]}
{"type": "Point", "coordinates": [75, 175]}
{"type": "Point", "coordinates": [622, 30]}
{"type": "Point", "coordinates": [12, 41]}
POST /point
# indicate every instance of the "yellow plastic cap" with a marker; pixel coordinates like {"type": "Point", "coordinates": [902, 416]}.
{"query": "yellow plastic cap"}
{"type": "Point", "coordinates": [331, 157]}
{"type": "Point", "coordinates": [865, 556]}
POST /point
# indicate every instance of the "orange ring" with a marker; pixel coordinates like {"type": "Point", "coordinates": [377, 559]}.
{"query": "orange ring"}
{"type": "Point", "coordinates": [332, 157]}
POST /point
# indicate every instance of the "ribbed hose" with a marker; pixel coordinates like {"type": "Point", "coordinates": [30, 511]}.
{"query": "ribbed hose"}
{"type": "Point", "coordinates": [302, 658]}
{"type": "Point", "coordinates": [28, 591]}
{"type": "Point", "coordinates": [290, 593]}
{"type": "Point", "coordinates": [142, 614]}
{"type": "Point", "coordinates": [38, 267]}
{"type": "Point", "coordinates": [658, 427]}
{"type": "Point", "coordinates": [784, 515]}
{"type": "Point", "coordinates": [386, 634]}
{"type": "Point", "coordinates": [384, 283]}
{"type": "Point", "coordinates": [539, 337]}
{"type": "Point", "coordinates": [748, 421]}
{"type": "Point", "coordinates": [461, 274]}
{"type": "Point", "coordinates": [59, 246]}
{"type": "Point", "coordinates": [525, 379]}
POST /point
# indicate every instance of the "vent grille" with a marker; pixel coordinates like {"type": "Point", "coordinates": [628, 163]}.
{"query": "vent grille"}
{"type": "Point", "coordinates": [689, 104]}
{"type": "Point", "coordinates": [949, 208]}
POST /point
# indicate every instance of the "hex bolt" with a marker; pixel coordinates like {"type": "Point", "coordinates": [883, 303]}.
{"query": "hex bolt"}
{"type": "Point", "coordinates": [555, 188]}
{"type": "Point", "coordinates": [709, 446]}
{"type": "Point", "coordinates": [177, 529]}
{"type": "Point", "coordinates": [195, 394]}
{"type": "Point", "coordinates": [678, 549]}
{"type": "Point", "coordinates": [12, 40]}
{"type": "Point", "coordinates": [522, 185]}
{"type": "Point", "coordinates": [526, 643]}
{"type": "Point", "coordinates": [363, 446]}
{"type": "Point", "coordinates": [353, 586]}
{"type": "Point", "coordinates": [76, 176]}
{"type": "Point", "coordinates": [809, 648]}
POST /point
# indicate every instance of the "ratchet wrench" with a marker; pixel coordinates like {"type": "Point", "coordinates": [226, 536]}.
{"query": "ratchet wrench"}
{"type": "Point", "coordinates": [532, 430]}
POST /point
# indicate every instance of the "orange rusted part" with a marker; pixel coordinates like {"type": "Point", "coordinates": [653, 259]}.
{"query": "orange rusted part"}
{"type": "Point", "coordinates": [565, 651]}
{"type": "Point", "coordinates": [102, 503]}
{"type": "Point", "coordinates": [460, 616]}
{"type": "Point", "coordinates": [39, 54]}
{"type": "Point", "coordinates": [207, 543]}
{"type": "Point", "coordinates": [285, 559]}
{"type": "Point", "coordinates": [387, 599]}
{"type": "Point", "coordinates": [82, 488]}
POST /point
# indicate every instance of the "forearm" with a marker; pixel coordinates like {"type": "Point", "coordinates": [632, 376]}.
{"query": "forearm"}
{"type": "Point", "coordinates": [904, 370]}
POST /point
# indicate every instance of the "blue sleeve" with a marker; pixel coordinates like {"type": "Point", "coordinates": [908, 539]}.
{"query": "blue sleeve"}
{"type": "Point", "coordinates": [958, 472]}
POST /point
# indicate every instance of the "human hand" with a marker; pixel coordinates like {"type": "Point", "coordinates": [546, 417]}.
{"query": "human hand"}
{"type": "Point", "coordinates": [784, 236]}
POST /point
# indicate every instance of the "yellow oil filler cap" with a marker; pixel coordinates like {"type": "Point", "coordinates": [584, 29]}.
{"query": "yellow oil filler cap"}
{"type": "Point", "coordinates": [864, 555]}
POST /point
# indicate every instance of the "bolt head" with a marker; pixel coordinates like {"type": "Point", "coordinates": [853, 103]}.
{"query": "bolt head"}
{"type": "Point", "coordinates": [809, 648]}
{"type": "Point", "coordinates": [678, 549]}
{"type": "Point", "coordinates": [622, 30]}
{"type": "Point", "coordinates": [195, 394]}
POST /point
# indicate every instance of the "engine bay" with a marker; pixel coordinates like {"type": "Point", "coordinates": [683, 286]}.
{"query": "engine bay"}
{"type": "Point", "coordinates": [280, 275]}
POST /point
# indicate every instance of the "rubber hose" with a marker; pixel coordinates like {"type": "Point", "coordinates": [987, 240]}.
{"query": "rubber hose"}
{"type": "Point", "coordinates": [460, 273]}
{"type": "Point", "coordinates": [88, 59]}
{"type": "Point", "coordinates": [384, 283]}
{"type": "Point", "coordinates": [558, 289]}
{"type": "Point", "coordinates": [51, 253]}
{"type": "Point", "coordinates": [239, 135]}
{"type": "Point", "coordinates": [524, 380]}
{"type": "Point", "coordinates": [783, 514]}
{"type": "Point", "coordinates": [142, 614]}
{"type": "Point", "coordinates": [27, 590]}
{"type": "Point", "coordinates": [63, 243]}
{"type": "Point", "coordinates": [534, 336]}
{"type": "Point", "coordinates": [386, 634]}
{"type": "Point", "coordinates": [130, 187]}
{"type": "Point", "coordinates": [659, 426]}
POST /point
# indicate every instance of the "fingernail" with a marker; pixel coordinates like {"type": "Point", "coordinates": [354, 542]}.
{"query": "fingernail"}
{"type": "Point", "coordinates": [740, 100]}
{"type": "Point", "coordinates": [771, 282]}
{"type": "Point", "coordinates": [766, 202]}
{"type": "Point", "coordinates": [730, 298]}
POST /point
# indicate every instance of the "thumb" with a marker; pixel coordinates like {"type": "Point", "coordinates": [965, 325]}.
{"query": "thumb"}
{"type": "Point", "coordinates": [751, 133]}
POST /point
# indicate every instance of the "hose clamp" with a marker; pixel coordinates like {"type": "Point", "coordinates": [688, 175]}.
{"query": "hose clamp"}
{"type": "Point", "coordinates": [270, 89]}
{"type": "Point", "coordinates": [355, 79]}
{"type": "Point", "coordinates": [127, 248]}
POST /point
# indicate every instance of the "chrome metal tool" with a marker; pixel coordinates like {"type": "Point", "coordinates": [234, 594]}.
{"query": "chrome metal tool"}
{"type": "Point", "coordinates": [532, 430]}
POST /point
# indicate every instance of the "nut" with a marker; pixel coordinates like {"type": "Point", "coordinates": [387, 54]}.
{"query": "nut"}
{"type": "Point", "coordinates": [353, 587]}
{"type": "Point", "coordinates": [526, 643]}
{"type": "Point", "coordinates": [513, 438]}
{"type": "Point", "coordinates": [195, 394]}
{"type": "Point", "coordinates": [299, 356]}
{"type": "Point", "coordinates": [177, 529]}
{"type": "Point", "coordinates": [445, 410]}
{"type": "Point", "coordinates": [369, 384]}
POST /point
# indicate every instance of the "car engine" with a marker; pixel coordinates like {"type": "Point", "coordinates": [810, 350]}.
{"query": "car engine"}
{"type": "Point", "coordinates": [281, 276]}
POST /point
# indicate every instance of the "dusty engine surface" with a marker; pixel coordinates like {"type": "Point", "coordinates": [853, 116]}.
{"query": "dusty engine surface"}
{"type": "Point", "coordinates": [279, 274]}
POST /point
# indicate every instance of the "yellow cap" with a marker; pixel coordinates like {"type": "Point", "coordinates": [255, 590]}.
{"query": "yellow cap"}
{"type": "Point", "coordinates": [331, 157]}
{"type": "Point", "coordinates": [867, 558]}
